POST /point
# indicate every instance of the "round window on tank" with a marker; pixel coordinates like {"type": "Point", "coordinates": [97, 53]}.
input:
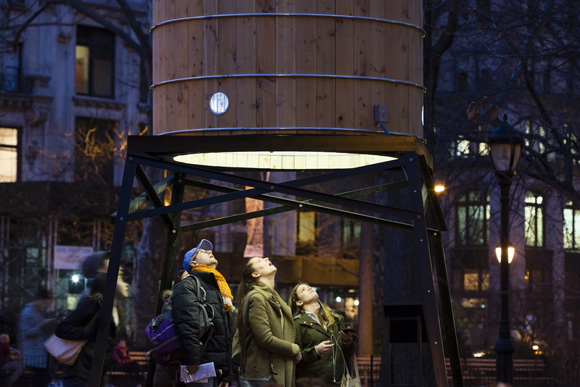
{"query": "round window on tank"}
{"type": "Point", "coordinates": [219, 103]}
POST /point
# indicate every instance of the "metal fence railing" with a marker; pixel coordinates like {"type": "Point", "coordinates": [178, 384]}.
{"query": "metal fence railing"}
{"type": "Point", "coordinates": [476, 373]}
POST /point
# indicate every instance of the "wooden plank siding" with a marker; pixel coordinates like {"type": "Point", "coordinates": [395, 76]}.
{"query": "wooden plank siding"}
{"type": "Point", "coordinates": [303, 52]}
{"type": "Point", "coordinates": [246, 91]}
{"type": "Point", "coordinates": [195, 52]}
{"type": "Point", "coordinates": [345, 53]}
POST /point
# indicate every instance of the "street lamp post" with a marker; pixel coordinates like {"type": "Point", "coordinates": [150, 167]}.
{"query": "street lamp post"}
{"type": "Point", "coordinates": [505, 147]}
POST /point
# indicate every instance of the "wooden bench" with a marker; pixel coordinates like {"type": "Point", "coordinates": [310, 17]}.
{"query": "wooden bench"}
{"type": "Point", "coordinates": [128, 378]}
{"type": "Point", "coordinates": [139, 357]}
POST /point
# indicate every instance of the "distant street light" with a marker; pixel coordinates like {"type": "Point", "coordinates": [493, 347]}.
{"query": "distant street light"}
{"type": "Point", "coordinates": [505, 148]}
{"type": "Point", "coordinates": [439, 188]}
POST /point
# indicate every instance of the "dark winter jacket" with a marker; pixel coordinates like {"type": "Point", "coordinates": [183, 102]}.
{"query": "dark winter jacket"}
{"type": "Point", "coordinates": [73, 327]}
{"type": "Point", "coordinates": [185, 317]}
{"type": "Point", "coordinates": [309, 334]}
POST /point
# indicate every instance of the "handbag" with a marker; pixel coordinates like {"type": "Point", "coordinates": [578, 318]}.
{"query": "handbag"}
{"type": "Point", "coordinates": [347, 379]}
{"type": "Point", "coordinates": [242, 380]}
{"type": "Point", "coordinates": [254, 382]}
{"type": "Point", "coordinates": [66, 351]}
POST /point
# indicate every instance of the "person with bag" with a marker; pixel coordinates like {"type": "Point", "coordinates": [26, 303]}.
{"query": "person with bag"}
{"type": "Point", "coordinates": [77, 326]}
{"type": "Point", "coordinates": [324, 339]}
{"type": "Point", "coordinates": [215, 345]}
{"type": "Point", "coordinates": [265, 331]}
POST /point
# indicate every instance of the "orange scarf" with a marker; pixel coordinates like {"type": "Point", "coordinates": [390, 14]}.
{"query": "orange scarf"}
{"type": "Point", "coordinates": [223, 285]}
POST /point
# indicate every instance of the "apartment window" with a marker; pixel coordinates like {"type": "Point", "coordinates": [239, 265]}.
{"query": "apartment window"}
{"type": "Point", "coordinates": [95, 58]}
{"type": "Point", "coordinates": [572, 144]}
{"type": "Point", "coordinates": [350, 231]}
{"type": "Point", "coordinates": [472, 219]}
{"type": "Point", "coordinates": [538, 280]}
{"type": "Point", "coordinates": [306, 232]}
{"type": "Point", "coordinates": [466, 148]}
{"type": "Point", "coordinates": [534, 220]}
{"type": "Point", "coordinates": [475, 281]}
{"type": "Point", "coordinates": [11, 76]}
{"type": "Point", "coordinates": [571, 227]}
{"type": "Point", "coordinates": [535, 137]}
{"type": "Point", "coordinates": [9, 155]}
{"type": "Point", "coordinates": [95, 147]}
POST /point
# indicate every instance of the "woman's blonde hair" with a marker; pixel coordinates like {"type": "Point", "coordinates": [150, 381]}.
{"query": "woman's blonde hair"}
{"type": "Point", "coordinates": [325, 314]}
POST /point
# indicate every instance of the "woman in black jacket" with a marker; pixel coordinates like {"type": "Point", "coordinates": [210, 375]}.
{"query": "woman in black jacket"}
{"type": "Point", "coordinates": [74, 327]}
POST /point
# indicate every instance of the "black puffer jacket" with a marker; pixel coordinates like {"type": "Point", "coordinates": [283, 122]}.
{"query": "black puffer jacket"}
{"type": "Point", "coordinates": [185, 317]}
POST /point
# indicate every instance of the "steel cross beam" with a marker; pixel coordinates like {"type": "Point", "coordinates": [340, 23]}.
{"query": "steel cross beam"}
{"type": "Point", "coordinates": [261, 187]}
{"type": "Point", "coordinates": [424, 206]}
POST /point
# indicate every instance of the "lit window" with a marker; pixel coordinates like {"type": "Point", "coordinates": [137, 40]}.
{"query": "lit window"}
{"type": "Point", "coordinates": [462, 148]}
{"type": "Point", "coordinates": [572, 144]}
{"type": "Point", "coordinates": [571, 228]}
{"type": "Point", "coordinates": [473, 214]}
{"type": "Point", "coordinates": [306, 232]}
{"type": "Point", "coordinates": [483, 149]}
{"type": "Point", "coordinates": [8, 155]}
{"type": "Point", "coordinates": [476, 281]}
{"type": "Point", "coordinates": [306, 226]}
{"type": "Point", "coordinates": [95, 58]}
{"type": "Point", "coordinates": [471, 281]}
{"type": "Point", "coordinates": [535, 137]}
{"type": "Point", "coordinates": [534, 220]}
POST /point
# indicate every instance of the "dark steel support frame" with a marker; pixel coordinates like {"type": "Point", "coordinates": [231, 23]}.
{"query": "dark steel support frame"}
{"type": "Point", "coordinates": [424, 219]}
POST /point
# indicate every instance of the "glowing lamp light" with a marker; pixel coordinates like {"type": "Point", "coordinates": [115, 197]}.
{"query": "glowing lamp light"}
{"type": "Point", "coordinates": [439, 188]}
{"type": "Point", "coordinates": [511, 253]}
{"type": "Point", "coordinates": [338, 299]}
{"type": "Point", "coordinates": [75, 278]}
{"type": "Point", "coordinates": [356, 302]}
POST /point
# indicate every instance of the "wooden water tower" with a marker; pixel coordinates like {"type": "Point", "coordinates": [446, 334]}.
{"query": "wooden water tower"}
{"type": "Point", "coordinates": [332, 86]}
{"type": "Point", "coordinates": [288, 66]}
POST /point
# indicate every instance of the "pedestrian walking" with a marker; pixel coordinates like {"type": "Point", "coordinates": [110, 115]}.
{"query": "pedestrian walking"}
{"type": "Point", "coordinates": [33, 330]}
{"type": "Point", "coordinates": [74, 327]}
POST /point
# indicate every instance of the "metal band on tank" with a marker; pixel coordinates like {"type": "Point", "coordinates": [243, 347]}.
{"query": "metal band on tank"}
{"type": "Point", "coordinates": [273, 128]}
{"type": "Point", "coordinates": [202, 77]}
{"type": "Point", "coordinates": [269, 128]}
{"type": "Point", "coordinates": [225, 15]}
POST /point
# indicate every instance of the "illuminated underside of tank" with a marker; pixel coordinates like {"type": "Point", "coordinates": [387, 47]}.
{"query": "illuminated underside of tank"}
{"type": "Point", "coordinates": [282, 160]}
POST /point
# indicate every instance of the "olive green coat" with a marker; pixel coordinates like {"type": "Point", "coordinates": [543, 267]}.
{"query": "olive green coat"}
{"type": "Point", "coordinates": [270, 337]}
{"type": "Point", "coordinates": [309, 333]}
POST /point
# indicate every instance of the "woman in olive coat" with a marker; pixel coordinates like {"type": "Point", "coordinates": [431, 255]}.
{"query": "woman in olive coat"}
{"type": "Point", "coordinates": [320, 334]}
{"type": "Point", "coordinates": [270, 346]}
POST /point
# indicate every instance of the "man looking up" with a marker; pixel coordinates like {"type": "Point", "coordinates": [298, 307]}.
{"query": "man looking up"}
{"type": "Point", "coordinates": [201, 263]}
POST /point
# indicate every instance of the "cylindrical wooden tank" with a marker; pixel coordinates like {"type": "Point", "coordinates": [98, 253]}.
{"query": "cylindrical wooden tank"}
{"type": "Point", "coordinates": [287, 66]}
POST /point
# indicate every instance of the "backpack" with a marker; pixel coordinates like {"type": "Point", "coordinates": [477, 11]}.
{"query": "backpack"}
{"type": "Point", "coordinates": [163, 335]}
